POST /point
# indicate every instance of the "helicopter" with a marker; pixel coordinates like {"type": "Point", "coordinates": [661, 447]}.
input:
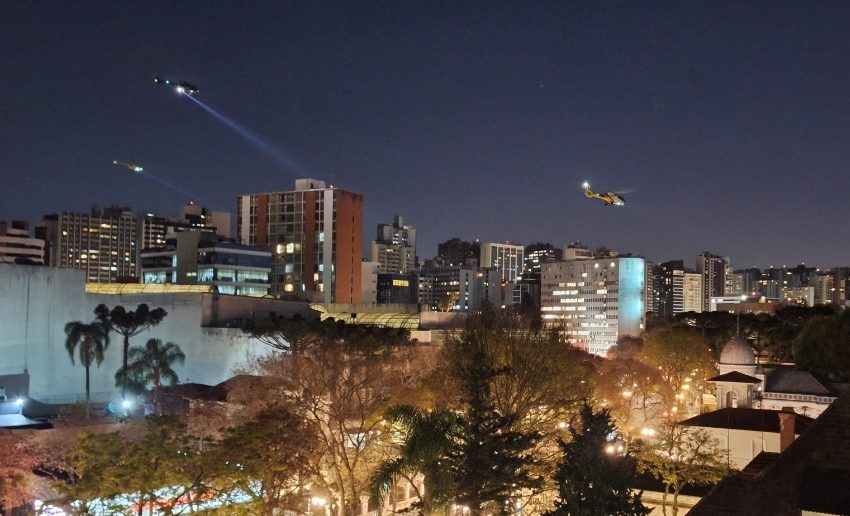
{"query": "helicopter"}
{"type": "Point", "coordinates": [609, 198]}
{"type": "Point", "coordinates": [180, 87]}
{"type": "Point", "coordinates": [130, 166]}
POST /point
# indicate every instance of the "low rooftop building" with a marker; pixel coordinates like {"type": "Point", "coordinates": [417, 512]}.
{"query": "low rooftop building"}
{"type": "Point", "coordinates": [811, 476]}
{"type": "Point", "coordinates": [744, 433]}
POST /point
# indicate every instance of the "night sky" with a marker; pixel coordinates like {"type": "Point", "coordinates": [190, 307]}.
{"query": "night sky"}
{"type": "Point", "coordinates": [728, 122]}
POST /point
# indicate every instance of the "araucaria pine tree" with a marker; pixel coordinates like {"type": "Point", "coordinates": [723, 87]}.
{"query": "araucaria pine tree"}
{"type": "Point", "coordinates": [491, 461]}
{"type": "Point", "coordinates": [591, 480]}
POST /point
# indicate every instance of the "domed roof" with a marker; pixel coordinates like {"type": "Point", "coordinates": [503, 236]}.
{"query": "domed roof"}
{"type": "Point", "coordinates": [737, 351]}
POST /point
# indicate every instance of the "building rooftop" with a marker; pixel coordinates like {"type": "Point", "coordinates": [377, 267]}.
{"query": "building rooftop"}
{"type": "Point", "coordinates": [812, 474]}
{"type": "Point", "coordinates": [147, 288]}
{"type": "Point", "coordinates": [761, 462]}
{"type": "Point", "coordinates": [735, 377]}
{"type": "Point", "coordinates": [737, 351]}
{"type": "Point", "coordinates": [757, 420]}
{"type": "Point", "coordinates": [383, 320]}
{"type": "Point", "coordinates": [219, 392]}
{"type": "Point", "coordinates": [788, 379]}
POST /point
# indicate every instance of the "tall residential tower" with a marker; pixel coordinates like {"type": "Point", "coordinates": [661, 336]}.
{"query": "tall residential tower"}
{"type": "Point", "coordinates": [102, 243]}
{"type": "Point", "coordinates": [395, 247]}
{"type": "Point", "coordinates": [315, 233]}
{"type": "Point", "coordinates": [596, 301]}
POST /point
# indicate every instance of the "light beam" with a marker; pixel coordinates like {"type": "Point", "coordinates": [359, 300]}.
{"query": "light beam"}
{"type": "Point", "coordinates": [253, 139]}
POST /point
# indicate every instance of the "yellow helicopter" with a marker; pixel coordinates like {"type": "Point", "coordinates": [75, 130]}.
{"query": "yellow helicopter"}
{"type": "Point", "coordinates": [609, 198]}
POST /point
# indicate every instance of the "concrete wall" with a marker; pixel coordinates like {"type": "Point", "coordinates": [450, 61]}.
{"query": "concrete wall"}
{"type": "Point", "coordinates": [218, 310]}
{"type": "Point", "coordinates": [37, 302]}
{"type": "Point", "coordinates": [742, 446]}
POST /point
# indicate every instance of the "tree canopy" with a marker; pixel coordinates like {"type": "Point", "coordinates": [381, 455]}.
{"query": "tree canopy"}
{"type": "Point", "coordinates": [128, 324]}
{"type": "Point", "coordinates": [590, 479]}
{"type": "Point", "coordinates": [823, 347]}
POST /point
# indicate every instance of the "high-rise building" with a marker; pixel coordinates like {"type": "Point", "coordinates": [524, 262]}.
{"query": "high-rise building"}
{"type": "Point", "coordinates": [315, 233]}
{"type": "Point", "coordinates": [395, 247]}
{"type": "Point", "coordinates": [729, 280]}
{"type": "Point", "coordinates": [369, 282]}
{"type": "Point", "coordinates": [841, 285]}
{"type": "Point", "coordinates": [459, 288]}
{"type": "Point", "coordinates": [692, 292]}
{"type": "Point", "coordinates": [802, 296]}
{"type": "Point", "coordinates": [577, 251]}
{"type": "Point", "coordinates": [771, 283]}
{"type": "Point", "coordinates": [649, 285]}
{"type": "Point", "coordinates": [745, 282]}
{"type": "Point", "coordinates": [458, 252]}
{"type": "Point", "coordinates": [155, 229]}
{"type": "Point", "coordinates": [824, 285]}
{"type": "Point", "coordinates": [677, 289]}
{"type": "Point", "coordinates": [198, 258]}
{"type": "Point", "coordinates": [102, 243]}
{"type": "Point", "coordinates": [537, 254]}
{"type": "Point", "coordinates": [507, 258]}
{"type": "Point", "coordinates": [528, 286]}
{"type": "Point", "coordinates": [17, 246]}
{"type": "Point", "coordinates": [596, 301]}
{"type": "Point", "coordinates": [713, 271]}
{"type": "Point", "coordinates": [668, 291]}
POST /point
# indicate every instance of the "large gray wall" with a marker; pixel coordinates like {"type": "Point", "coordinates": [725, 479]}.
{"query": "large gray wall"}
{"type": "Point", "coordinates": [37, 302]}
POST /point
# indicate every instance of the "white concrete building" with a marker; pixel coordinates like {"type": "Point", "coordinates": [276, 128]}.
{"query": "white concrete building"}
{"type": "Point", "coordinates": [395, 247]}
{"type": "Point", "coordinates": [744, 383]}
{"type": "Point", "coordinates": [102, 243]}
{"type": "Point", "coordinates": [692, 292]}
{"type": "Point", "coordinates": [743, 433]}
{"type": "Point", "coordinates": [463, 287]}
{"type": "Point", "coordinates": [16, 245]}
{"type": "Point", "coordinates": [596, 301]}
{"type": "Point", "coordinates": [508, 259]}
{"type": "Point", "coordinates": [369, 282]}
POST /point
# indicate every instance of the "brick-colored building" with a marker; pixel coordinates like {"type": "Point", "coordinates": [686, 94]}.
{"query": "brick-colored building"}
{"type": "Point", "coordinates": [315, 233]}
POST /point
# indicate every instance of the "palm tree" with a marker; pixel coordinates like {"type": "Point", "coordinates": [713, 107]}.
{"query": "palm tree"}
{"type": "Point", "coordinates": [128, 324]}
{"type": "Point", "coordinates": [153, 364]}
{"type": "Point", "coordinates": [91, 340]}
{"type": "Point", "coordinates": [428, 436]}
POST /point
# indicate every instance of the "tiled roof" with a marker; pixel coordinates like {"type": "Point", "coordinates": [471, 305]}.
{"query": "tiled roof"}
{"type": "Point", "coordinates": [789, 380]}
{"type": "Point", "coordinates": [20, 421]}
{"type": "Point", "coordinates": [200, 391]}
{"type": "Point", "coordinates": [735, 377]}
{"type": "Point", "coordinates": [825, 489]}
{"type": "Point", "coordinates": [812, 474]}
{"type": "Point", "coordinates": [761, 462]}
{"type": "Point", "coordinates": [758, 420]}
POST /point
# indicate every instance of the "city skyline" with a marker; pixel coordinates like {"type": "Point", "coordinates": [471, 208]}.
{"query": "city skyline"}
{"type": "Point", "coordinates": [727, 121]}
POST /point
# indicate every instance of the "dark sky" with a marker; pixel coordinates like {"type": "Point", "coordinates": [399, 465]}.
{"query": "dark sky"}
{"type": "Point", "coordinates": [730, 121]}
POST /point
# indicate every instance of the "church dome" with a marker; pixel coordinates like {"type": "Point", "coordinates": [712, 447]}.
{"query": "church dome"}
{"type": "Point", "coordinates": [737, 351]}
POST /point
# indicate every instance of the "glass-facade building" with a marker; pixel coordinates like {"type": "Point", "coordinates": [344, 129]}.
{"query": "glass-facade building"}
{"type": "Point", "coordinates": [187, 258]}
